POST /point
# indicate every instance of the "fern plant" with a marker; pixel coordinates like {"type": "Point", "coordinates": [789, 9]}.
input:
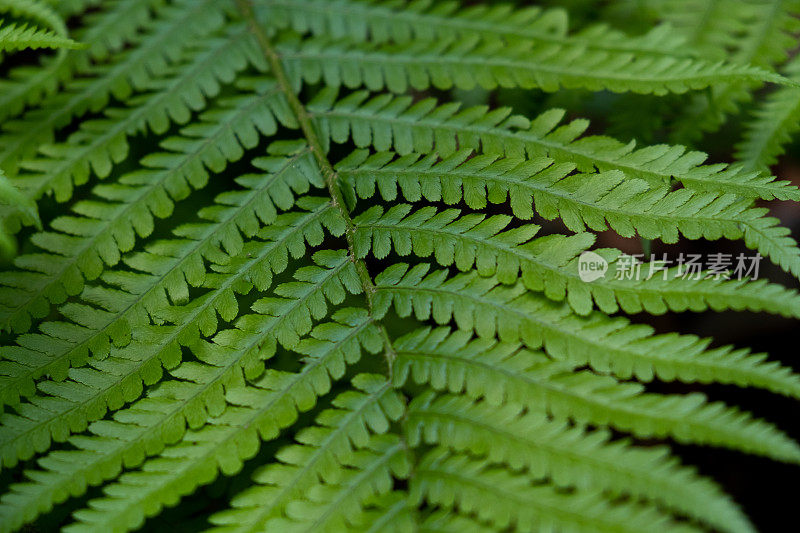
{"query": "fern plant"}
{"type": "Point", "coordinates": [279, 257]}
{"type": "Point", "coordinates": [17, 209]}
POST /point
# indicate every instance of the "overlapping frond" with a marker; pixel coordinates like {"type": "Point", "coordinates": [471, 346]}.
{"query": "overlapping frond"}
{"type": "Point", "coordinates": [167, 269]}
{"type": "Point", "coordinates": [759, 32]}
{"type": "Point", "coordinates": [502, 372]}
{"type": "Point", "coordinates": [570, 456]}
{"type": "Point", "coordinates": [107, 32]}
{"type": "Point", "coordinates": [505, 499]}
{"type": "Point", "coordinates": [386, 122]}
{"type": "Point", "coordinates": [109, 382]}
{"type": "Point", "coordinates": [471, 63]}
{"type": "Point", "coordinates": [755, 29]}
{"type": "Point", "coordinates": [162, 418]}
{"type": "Point", "coordinates": [34, 10]}
{"type": "Point", "coordinates": [16, 210]}
{"type": "Point", "coordinates": [83, 245]}
{"type": "Point", "coordinates": [383, 21]}
{"type": "Point", "coordinates": [257, 412]}
{"type": "Point", "coordinates": [774, 123]}
{"type": "Point", "coordinates": [550, 263]}
{"type": "Point", "coordinates": [606, 344]}
{"type": "Point", "coordinates": [318, 459]}
{"type": "Point", "coordinates": [131, 71]}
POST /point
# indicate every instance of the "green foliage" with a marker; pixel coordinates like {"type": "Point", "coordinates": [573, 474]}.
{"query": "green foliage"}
{"type": "Point", "coordinates": [267, 250]}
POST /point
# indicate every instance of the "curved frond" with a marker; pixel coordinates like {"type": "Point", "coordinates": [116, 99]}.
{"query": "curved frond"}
{"type": "Point", "coordinates": [550, 263]}
{"type": "Point", "coordinates": [507, 499]}
{"type": "Point", "coordinates": [38, 12]}
{"type": "Point", "coordinates": [15, 37]}
{"type": "Point", "coordinates": [321, 454]}
{"type": "Point", "coordinates": [386, 122]}
{"type": "Point", "coordinates": [569, 456]}
{"type": "Point", "coordinates": [82, 246]}
{"type": "Point", "coordinates": [470, 63]}
{"type": "Point", "coordinates": [504, 373]}
{"type": "Point", "coordinates": [257, 412]}
{"type": "Point", "coordinates": [607, 344]}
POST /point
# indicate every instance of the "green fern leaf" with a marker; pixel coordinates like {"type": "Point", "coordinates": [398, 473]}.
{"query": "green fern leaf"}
{"type": "Point", "coordinates": [231, 286]}
{"type": "Point", "coordinates": [133, 71]}
{"type": "Point", "coordinates": [320, 454]}
{"type": "Point", "coordinates": [512, 500]}
{"type": "Point", "coordinates": [272, 403]}
{"type": "Point", "coordinates": [14, 37]}
{"type": "Point", "coordinates": [108, 32]}
{"type": "Point", "coordinates": [471, 63]}
{"type": "Point", "coordinates": [85, 244]}
{"type": "Point", "coordinates": [501, 372]}
{"type": "Point", "coordinates": [385, 123]}
{"type": "Point", "coordinates": [606, 344]}
{"type": "Point", "coordinates": [568, 455]}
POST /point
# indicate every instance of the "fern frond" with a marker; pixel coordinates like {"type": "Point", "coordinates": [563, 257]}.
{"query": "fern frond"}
{"type": "Point", "coordinates": [235, 278]}
{"type": "Point", "coordinates": [391, 510]}
{"type": "Point", "coordinates": [134, 433]}
{"type": "Point", "coordinates": [471, 63]}
{"type": "Point", "coordinates": [160, 419]}
{"type": "Point", "coordinates": [512, 500]}
{"type": "Point", "coordinates": [382, 21]}
{"type": "Point", "coordinates": [38, 12]}
{"type": "Point", "coordinates": [84, 244]}
{"type": "Point", "coordinates": [406, 22]}
{"type": "Point", "coordinates": [367, 21]}
{"type": "Point", "coordinates": [772, 126]}
{"type": "Point", "coordinates": [118, 378]}
{"type": "Point", "coordinates": [100, 143]}
{"type": "Point", "coordinates": [339, 506]}
{"type": "Point", "coordinates": [387, 122]}
{"type": "Point", "coordinates": [106, 317]}
{"type": "Point", "coordinates": [258, 413]}
{"type": "Point", "coordinates": [109, 382]}
{"type": "Point", "coordinates": [548, 263]}
{"type": "Point", "coordinates": [131, 71]}
{"type": "Point", "coordinates": [450, 521]}
{"type": "Point", "coordinates": [107, 32]}
{"type": "Point", "coordinates": [607, 344]}
{"type": "Point", "coordinates": [756, 29]}
{"type": "Point", "coordinates": [476, 178]}
{"type": "Point", "coordinates": [90, 390]}
{"type": "Point", "coordinates": [319, 454]}
{"type": "Point", "coordinates": [760, 32]}
{"type": "Point", "coordinates": [67, 8]}
{"type": "Point", "coordinates": [501, 372]}
{"type": "Point", "coordinates": [569, 456]}
{"type": "Point", "coordinates": [16, 210]}
{"type": "Point", "coordinates": [15, 37]}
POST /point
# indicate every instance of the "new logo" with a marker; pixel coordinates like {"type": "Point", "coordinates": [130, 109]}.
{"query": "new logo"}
{"type": "Point", "coordinates": [591, 266]}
